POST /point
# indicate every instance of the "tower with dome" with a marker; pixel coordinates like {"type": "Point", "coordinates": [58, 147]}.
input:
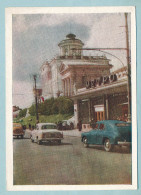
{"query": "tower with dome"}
{"type": "Point", "coordinates": [71, 69]}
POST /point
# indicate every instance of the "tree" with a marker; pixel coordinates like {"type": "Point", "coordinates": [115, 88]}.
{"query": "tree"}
{"type": "Point", "coordinates": [22, 113]}
{"type": "Point", "coordinates": [32, 110]}
{"type": "Point", "coordinates": [60, 105]}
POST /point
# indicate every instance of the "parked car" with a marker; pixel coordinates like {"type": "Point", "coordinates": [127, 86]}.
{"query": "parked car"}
{"type": "Point", "coordinates": [46, 132]}
{"type": "Point", "coordinates": [65, 125]}
{"type": "Point", "coordinates": [18, 130]}
{"type": "Point", "coordinates": [108, 133]}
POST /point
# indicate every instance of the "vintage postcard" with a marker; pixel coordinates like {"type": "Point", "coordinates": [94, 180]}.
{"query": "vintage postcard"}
{"type": "Point", "coordinates": [71, 98]}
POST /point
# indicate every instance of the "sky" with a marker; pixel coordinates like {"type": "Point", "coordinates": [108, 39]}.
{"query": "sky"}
{"type": "Point", "coordinates": [35, 39]}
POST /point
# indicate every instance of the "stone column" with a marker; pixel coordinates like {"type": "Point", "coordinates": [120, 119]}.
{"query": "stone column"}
{"type": "Point", "coordinates": [89, 107]}
{"type": "Point", "coordinates": [76, 112]}
{"type": "Point", "coordinates": [64, 87]}
{"type": "Point", "coordinates": [106, 107]}
{"type": "Point", "coordinates": [70, 87]}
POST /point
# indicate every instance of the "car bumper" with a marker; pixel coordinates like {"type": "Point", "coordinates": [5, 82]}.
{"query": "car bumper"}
{"type": "Point", "coordinates": [121, 143]}
{"type": "Point", "coordinates": [51, 139]}
{"type": "Point", "coordinates": [18, 134]}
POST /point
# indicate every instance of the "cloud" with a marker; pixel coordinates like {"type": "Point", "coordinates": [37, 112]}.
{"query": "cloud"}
{"type": "Point", "coordinates": [36, 38]}
{"type": "Point", "coordinates": [19, 23]}
{"type": "Point", "coordinates": [109, 32]}
{"type": "Point", "coordinates": [22, 93]}
{"type": "Point", "coordinates": [23, 22]}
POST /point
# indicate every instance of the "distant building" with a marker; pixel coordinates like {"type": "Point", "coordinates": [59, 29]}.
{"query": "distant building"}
{"type": "Point", "coordinates": [16, 111]}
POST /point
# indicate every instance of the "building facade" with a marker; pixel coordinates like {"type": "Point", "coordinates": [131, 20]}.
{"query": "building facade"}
{"type": "Point", "coordinates": [69, 71]}
{"type": "Point", "coordinates": [98, 93]}
{"type": "Point", "coordinates": [104, 98]}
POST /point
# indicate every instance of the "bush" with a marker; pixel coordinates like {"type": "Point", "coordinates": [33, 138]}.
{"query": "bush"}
{"type": "Point", "coordinates": [22, 113]}
{"type": "Point", "coordinates": [60, 105]}
{"type": "Point", "coordinates": [32, 110]}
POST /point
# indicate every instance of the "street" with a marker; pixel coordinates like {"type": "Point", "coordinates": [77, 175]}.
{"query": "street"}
{"type": "Point", "coordinates": [69, 163]}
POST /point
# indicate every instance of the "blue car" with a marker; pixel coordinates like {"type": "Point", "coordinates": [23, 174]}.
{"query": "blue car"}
{"type": "Point", "coordinates": [108, 133]}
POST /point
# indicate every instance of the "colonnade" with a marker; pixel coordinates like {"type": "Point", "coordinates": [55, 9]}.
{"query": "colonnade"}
{"type": "Point", "coordinates": [67, 86]}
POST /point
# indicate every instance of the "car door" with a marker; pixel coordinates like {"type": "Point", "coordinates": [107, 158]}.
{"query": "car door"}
{"type": "Point", "coordinates": [93, 134]}
{"type": "Point", "coordinates": [34, 132]}
{"type": "Point", "coordinates": [100, 133]}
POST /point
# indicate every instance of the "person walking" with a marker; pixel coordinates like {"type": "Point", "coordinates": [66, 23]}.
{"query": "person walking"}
{"type": "Point", "coordinates": [79, 125]}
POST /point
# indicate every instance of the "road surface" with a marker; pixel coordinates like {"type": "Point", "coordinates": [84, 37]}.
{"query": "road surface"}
{"type": "Point", "coordinates": [69, 163]}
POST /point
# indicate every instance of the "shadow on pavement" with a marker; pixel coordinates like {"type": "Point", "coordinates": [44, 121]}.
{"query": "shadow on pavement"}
{"type": "Point", "coordinates": [55, 144]}
{"type": "Point", "coordinates": [116, 149]}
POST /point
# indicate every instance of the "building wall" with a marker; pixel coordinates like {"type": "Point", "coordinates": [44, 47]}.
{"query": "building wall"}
{"type": "Point", "coordinates": [116, 103]}
{"type": "Point", "coordinates": [51, 79]}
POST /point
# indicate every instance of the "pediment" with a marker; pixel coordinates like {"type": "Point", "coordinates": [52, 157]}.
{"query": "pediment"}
{"type": "Point", "coordinates": [62, 67]}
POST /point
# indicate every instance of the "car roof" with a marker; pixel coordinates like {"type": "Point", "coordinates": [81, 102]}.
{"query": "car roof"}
{"type": "Point", "coordinates": [40, 124]}
{"type": "Point", "coordinates": [16, 123]}
{"type": "Point", "coordinates": [111, 121]}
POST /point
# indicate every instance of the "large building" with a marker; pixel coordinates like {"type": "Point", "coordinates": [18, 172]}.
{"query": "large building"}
{"type": "Point", "coordinates": [98, 93]}
{"type": "Point", "coordinates": [69, 71]}
{"type": "Point", "coordinates": [104, 98]}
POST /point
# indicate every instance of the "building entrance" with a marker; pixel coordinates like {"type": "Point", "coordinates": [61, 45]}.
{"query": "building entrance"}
{"type": "Point", "coordinates": [99, 113]}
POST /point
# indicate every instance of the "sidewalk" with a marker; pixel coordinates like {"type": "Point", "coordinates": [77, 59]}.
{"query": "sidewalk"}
{"type": "Point", "coordinates": [74, 133]}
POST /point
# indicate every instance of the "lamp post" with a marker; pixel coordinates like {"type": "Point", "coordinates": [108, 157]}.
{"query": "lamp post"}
{"type": "Point", "coordinates": [128, 63]}
{"type": "Point", "coordinates": [36, 103]}
{"type": "Point", "coordinates": [128, 70]}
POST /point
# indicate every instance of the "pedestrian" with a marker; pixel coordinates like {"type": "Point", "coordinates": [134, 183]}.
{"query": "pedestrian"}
{"type": "Point", "coordinates": [79, 125]}
{"type": "Point", "coordinates": [29, 126]}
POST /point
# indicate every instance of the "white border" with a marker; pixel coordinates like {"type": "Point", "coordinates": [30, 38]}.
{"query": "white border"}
{"type": "Point", "coordinates": [9, 142]}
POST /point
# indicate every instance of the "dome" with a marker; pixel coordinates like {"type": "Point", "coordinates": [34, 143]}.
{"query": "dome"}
{"type": "Point", "coordinates": [70, 36]}
{"type": "Point", "coordinates": [71, 46]}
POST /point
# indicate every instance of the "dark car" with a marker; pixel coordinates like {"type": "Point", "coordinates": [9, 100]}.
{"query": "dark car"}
{"type": "Point", "coordinates": [65, 125]}
{"type": "Point", "coordinates": [108, 133]}
{"type": "Point", "coordinates": [18, 130]}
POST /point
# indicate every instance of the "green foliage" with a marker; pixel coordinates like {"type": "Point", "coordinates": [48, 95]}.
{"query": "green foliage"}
{"type": "Point", "coordinates": [32, 110]}
{"type": "Point", "coordinates": [22, 113]}
{"type": "Point", "coordinates": [45, 119]}
{"type": "Point", "coordinates": [60, 105]}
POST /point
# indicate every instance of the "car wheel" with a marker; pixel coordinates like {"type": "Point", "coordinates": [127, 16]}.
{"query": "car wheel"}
{"type": "Point", "coordinates": [59, 141]}
{"type": "Point", "coordinates": [107, 145]}
{"type": "Point", "coordinates": [32, 140]}
{"type": "Point", "coordinates": [85, 141]}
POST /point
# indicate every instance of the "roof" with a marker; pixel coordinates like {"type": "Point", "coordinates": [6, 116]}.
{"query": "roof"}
{"type": "Point", "coordinates": [111, 121]}
{"type": "Point", "coordinates": [71, 36]}
{"type": "Point", "coordinates": [83, 63]}
{"type": "Point", "coordinates": [40, 124]}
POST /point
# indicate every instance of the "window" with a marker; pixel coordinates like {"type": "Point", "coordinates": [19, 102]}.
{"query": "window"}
{"type": "Point", "coordinates": [83, 80]}
{"type": "Point", "coordinates": [95, 126]}
{"type": "Point", "coordinates": [123, 124]}
{"type": "Point", "coordinates": [49, 127]}
{"type": "Point", "coordinates": [101, 126]}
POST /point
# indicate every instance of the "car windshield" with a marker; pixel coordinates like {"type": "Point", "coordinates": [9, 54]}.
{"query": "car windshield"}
{"type": "Point", "coordinates": [49, 127]}
{"type": "Point", "coordinates": [17, 125]}
{"type": "Point", "coordinates": [123, 124]}
{"type": "Point", "coordinates": [95, 126]}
